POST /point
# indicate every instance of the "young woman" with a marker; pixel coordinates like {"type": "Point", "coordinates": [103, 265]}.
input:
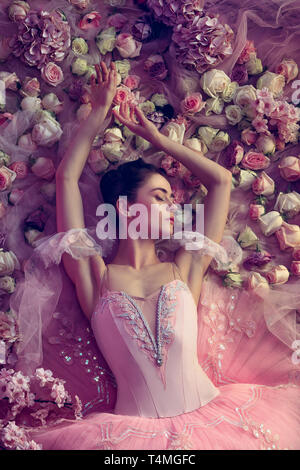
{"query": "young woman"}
{"type": "Point", "coordinates": [143, 312]}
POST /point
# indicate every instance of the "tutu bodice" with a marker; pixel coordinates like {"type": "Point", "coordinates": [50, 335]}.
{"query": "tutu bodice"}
{"type": "Point", "coordinates": [156, 369]}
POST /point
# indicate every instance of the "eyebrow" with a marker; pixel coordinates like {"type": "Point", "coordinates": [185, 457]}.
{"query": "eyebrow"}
{"type": "Point", "coordinates": [164, 190]}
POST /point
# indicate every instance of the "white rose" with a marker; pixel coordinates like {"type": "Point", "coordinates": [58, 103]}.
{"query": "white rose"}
{"type": "Point", "coordinates": [174, 131]}
{"type": "Point", "coordinates": [7, 284]}
{"type": "Point", "coordinates": [246, 178]}
{"type": "Point", "coordinates": [220, 142]}
{"type": "Point", "coordinates": [52, 103]}
{"type": "Point", "coordinates": [207, 134]}
{"type": "Point", "coordinates": [266, 144]}
{"type": "Point", "coordinates": [258, 284]}
{"type": "Point", "coordinates": [273, 81]}
{"type": "Point", "coordinates": [288, 203]}
{"type": "Point", "coordinates": [244, 95]}
{"type": "Point", "coordinates": [80, 46]}
{"type": "Point", "coordinates": [26, 142]}
{"type": "Point", "coordinates": [214, 82]}
{"type": "Point", "coordinates": [113, 151]}
{"type": "Point", "coordinates": [123, 67]}
{"type": "Point", "coordinates": [141, 143]}
{"type": "Point", "coordinates": [47, 131]}
{"type": "Point", "coordinates": [31, 103]}
{"type": "Point", "coordinates": [233, 114]}
{"type": "Point", "coordinates": [214, 105]}
{"type": "Point", "coordinates": [270, 222]}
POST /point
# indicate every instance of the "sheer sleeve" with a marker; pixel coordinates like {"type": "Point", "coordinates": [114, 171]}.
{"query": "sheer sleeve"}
{"type": "Point", "coordinates": [37, 294]}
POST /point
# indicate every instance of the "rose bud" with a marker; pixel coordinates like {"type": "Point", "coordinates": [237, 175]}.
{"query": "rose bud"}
{"type": "Point", "coordinates": [288, 236]}
{"type": "Point", "coordinates": [277, 275]}
{"type": "Point", "coordinates": [256, 210]}
{"type": "Point", "coordinates": [295, 268]}
{"type": "Point", "coordinates": [270, 223]}
{"type": "Point", "coordinates": [263, 185]}
{"type": "Point", "coordinates": [296, 253]}
{"type": "Point", "coordinates": [20, 168]}
{"type": "Point", "coordinates": [257, 284]}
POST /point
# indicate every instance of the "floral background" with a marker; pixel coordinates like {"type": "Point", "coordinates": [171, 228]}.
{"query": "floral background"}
{"type": "Point", "coordinates": [225, 83]}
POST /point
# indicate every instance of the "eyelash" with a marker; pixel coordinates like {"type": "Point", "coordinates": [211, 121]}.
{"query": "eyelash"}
{"type": "Point", "coordinates": [159, 198]}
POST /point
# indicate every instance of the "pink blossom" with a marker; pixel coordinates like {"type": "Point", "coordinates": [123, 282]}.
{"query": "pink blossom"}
{"type": "Point", "coordinates": [44, 376]}
{"type": "Point", "coordinates": [246, 52]}
{"type": "Point", "coordinates": [58, 393]}
{"type": "Point", "coordinates": [260, 124]}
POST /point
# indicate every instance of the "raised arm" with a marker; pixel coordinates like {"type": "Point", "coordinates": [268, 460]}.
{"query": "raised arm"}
{"type": "Point", "coordinates": [216, 179]}
{"type": "Point", "coordinates": [84, 272]}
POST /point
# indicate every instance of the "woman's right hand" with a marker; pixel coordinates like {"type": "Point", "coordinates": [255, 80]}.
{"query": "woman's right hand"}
{"type": "Point", "coordinates": [134, 118]}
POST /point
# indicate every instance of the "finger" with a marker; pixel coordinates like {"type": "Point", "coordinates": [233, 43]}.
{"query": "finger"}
{"type": "Point", "coordinates": [99, 76]}
{"type": "Point", "coordinates": [139, 114]}
{"type": "Point", "coordinates": [104, 70]}
{"type": "Point", "coordinates": [132, 116]}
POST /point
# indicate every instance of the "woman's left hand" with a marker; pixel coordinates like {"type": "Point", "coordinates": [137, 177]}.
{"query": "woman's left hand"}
{"type": "Point", "coordinates": [103, 92]}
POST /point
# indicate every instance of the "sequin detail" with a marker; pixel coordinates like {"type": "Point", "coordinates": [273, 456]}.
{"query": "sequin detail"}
{"type": "Point", "coordinates": [138, 328]}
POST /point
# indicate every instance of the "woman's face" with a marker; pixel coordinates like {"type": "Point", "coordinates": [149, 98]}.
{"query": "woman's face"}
{"type": "Point", "coordinates": [158, 205]}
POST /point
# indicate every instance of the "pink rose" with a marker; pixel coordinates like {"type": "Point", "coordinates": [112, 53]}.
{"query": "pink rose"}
{"type": "Point", "coordinates": [123, 95]}
{"type": "Point", "coordinates": [18, 11]}
{"type": "Point", "coordinates": [296, 253]}
{"type": "Point", "coordinates": [277, 275]}
{"type": "Point", "coordinates": [289, 168]}
{"type": "Point", "coordinates": [288, 68]}
{"type": "Point", "coordinates": [20, 168]}
{"type": "Point", "coordinates": [10, 80]}
{"type": "Point", "coordinates": [15, 196]}
{"type": "Point", "coordinates": [132, 81]}
{"type": "Point", "coordinates": [192, 104]}
{"type": "Point", "coordinates": [263, 185]}
{"type": "Point", "coordinates": [117, 21]}
{"type": "Point", "coordinates": [155, 66]}
{"type": "Point", "coordinates": [26, 142]}
{"type": "Point", "coordinates": [256, 210]}
{"type": "Point", "coordinates": [127, 46]}
{"type": "Point", "coordinates": [52, 74]}
{"type": "Point", "coordinates": [246, 52]}
{"type": "Point", "coordinates": [257, 284]}
{"type": "Point", "coordinates": [90, 20]}
{"type": "Point", "coordinates": [43, 168]}
{"type": "Point", "coordinates": [191, 180]}
{"type": "Point", "coordinates": [30, 87]}
{"type": "Point", "coordinates": [5, 49]}
{"type": "Point", "coordinates": [255, 161]}
{"type": "Point", "coordinates": [288, 236]}
{"type": "Point", "coordinates": [248, 136]}
{"type": "Point", "coordinates": [97, 160]}
{"type": "Point", "coordinates": [7, 176]}
{"type": "Point", "coordinates": [295, 268]}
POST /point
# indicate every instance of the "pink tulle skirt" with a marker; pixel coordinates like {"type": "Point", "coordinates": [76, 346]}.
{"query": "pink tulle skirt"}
{"type": "Point", "coordinates": [242, 417]}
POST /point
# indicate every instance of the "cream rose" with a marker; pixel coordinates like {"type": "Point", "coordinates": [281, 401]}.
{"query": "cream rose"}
{"type": "Point", "coordinates": [245, 179]}
{"type": "Point", "coordinates": [31, 103]}
{"type": "Point", "coordinates": [18, 10]}
{"type": "Point", "coordinates": [113, 134]}
{"type": "Point", "coordinates": [7, 176]}
{"type": "Point", "coordinates": [52, 103]}
{"type": "Point", "coordinates": [97, 161]}
{"type": "Point", "coordinates": [30, 87]}
{"type": "Point", "coordinates": [113, 151]}
{"type": "Point", "coordinates": [229, 92]}
{"type": "Point", "coordinates": [106, 40]}
{"type": "Point", "coordinates": [244, 95]}
{"type": "Point", "coordinates": [196, 144]}
{"type": "Point", "coordinates": [288, 203]}
{"type": "Point", "coordinates": [174, 131]}
{"type": "Point", "coordinates": [213, 105]}
{"type": "Point", "coordinates": [272, 81]}
{"type": "Point", "coordinates": [233, 114]}
{"type": "Point", "coordinates": [266, 144]}
{"type": "Point", "coordinates": [8, 262]}
{"type": "Point", "coordinates": [247, 238]}
{"type": "Point", "coordinates": [141, 143]}
{"type": "Point", "coordinates": [159, 99]}
{"type": "Point", "coordinates": [214, 82]}
{"type": "Point", "coordinates": [127, 46]}
{"type": "Point", "coordinates": [289, 69]}
{"type": "Point", "coordinates": [254, 66]}
{"type": "Point", "coordinates": [269, 223]}
{"type": "Point", "coordinates": [123, 67]}
{"type": "Point", "coordinates": [26, 142]}
{"type": "Point", "coordinates": [288, 236]}
{"type": "Point", "coordinates": [257, 284]}
{"type": "Point", "coordinates": [207, 134]}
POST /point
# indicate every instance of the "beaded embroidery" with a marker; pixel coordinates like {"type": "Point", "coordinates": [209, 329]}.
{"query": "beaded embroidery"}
{"type": "Point", "coordinates": [138, 328]}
